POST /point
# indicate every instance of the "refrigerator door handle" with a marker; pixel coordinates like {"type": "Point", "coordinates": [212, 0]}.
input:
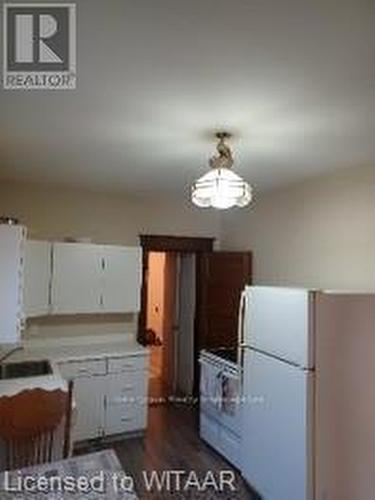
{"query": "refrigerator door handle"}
{"type": "Point", "coordinates": [240, 343]}
{"type": "Point", "coordinates": [241, 315]}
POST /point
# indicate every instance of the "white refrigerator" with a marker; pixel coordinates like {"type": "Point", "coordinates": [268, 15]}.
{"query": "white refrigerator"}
{"type": "Point", "coordinates": [276, 344]}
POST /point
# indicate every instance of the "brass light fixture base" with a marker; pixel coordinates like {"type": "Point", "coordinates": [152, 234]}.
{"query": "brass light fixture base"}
{"type": "Point", "coordinates": [224, 159]}
{"type": "Point", "coordinates": [222, 135]}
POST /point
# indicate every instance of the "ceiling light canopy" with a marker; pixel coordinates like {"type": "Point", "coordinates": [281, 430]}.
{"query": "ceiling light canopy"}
{"type": "Point", "coordinates": [220, 187]}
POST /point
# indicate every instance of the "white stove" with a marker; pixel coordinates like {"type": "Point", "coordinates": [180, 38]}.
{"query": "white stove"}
{"type": "Point", "coordinates": [220, 424]}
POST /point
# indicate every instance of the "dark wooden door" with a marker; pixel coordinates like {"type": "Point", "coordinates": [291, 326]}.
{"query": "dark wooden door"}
{"type": "Point", "coordinates": [221, 278]}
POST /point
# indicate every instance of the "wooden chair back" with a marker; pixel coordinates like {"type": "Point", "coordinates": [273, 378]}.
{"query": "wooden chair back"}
{"type": "Point", "coordinates": [30, 423]}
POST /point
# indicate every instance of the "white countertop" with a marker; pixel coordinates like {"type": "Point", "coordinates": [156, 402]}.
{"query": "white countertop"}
{"type": "Point", "coordinates": [67, 349]}
{"type": "Point", "coordinates": [79, 348]}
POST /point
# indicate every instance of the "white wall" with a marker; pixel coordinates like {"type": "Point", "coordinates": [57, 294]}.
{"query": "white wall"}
{"type": "Point", "coordinates": [56, 213]}
{"type": "Point", "coordinates": [319, 233]}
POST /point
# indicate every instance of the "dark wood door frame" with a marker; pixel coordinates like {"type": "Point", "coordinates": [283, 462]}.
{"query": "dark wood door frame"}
{"type": "Point", "coordinates": [162, 243]}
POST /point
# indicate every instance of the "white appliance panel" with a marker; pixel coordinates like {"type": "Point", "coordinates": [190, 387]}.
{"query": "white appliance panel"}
{"type": "Point", "coordinates": [220, 424]}
{"type": "Point", "coordinates": [276, 440]}
{"type": "Point", "coordinates": [277, 321]}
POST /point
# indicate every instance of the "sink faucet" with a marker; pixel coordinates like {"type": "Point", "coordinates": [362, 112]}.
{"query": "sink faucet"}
{"type": "Point", "coordinates": [9, 353]}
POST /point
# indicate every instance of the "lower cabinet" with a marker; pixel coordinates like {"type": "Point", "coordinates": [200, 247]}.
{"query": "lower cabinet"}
{"type": "Point", "coordinates": [110, 395]}
{"type": "Point", "coordinates": [89, 393]}
{"type": "Point", "coordinates": [126, 402]}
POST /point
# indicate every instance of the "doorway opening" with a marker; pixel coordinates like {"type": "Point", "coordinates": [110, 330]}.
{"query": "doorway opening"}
{"type": "Point", "coordinates": [170, 321]}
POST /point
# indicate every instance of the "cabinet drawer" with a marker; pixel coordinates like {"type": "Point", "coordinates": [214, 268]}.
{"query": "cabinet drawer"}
{"type": "Point", "coordinates": [127, 388]}
{"type": "Point", "coordinates": [125, 418]}
{"type": "Point", "coordinates": [75, 369]}
{"type": "Point", "coordinates": [128, 363]}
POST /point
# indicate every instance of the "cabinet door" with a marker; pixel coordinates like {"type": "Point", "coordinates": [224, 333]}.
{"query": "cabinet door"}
{"type": "Point", "coordinates": [12, 239]}
{"type": "Point", "coordinates": [37, 278]}
{"type": "Point", "coordinates": [76, 278]}
{"type": "Point", "coordinates": [89, 400]}
{"type": "Point", "coordinates": [121, 278]}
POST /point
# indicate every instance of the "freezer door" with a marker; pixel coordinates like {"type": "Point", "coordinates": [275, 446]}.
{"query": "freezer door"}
{"type": "Point", "coordinates": [279, 321]}
{"type": "Point", "coordinates": [277, 433]}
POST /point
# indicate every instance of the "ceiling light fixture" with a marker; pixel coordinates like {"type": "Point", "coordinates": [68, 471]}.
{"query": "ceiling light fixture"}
{"type": "Point", "coordinates": [221, 188]}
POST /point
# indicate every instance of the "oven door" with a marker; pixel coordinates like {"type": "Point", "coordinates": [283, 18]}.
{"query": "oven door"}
{"type": "Point", "coordinates": [210, 387]}
{"type": "Point", "coordinates": [230, 400]}
{"type": "Point", "coordinates": [220, 393]}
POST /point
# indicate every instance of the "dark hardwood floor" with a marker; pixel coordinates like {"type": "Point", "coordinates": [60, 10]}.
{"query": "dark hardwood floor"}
{"type": "Point", "coordinates": [172, 443]}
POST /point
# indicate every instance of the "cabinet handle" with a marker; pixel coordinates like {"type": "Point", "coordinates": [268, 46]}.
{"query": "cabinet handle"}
{"type": "Point", "coordinates": [127, 388]}
{"type": "Point", "coordinates": [83, 370]}
{"type": "Point", "coordinates": [126, 419]}
{"type": "Point", "coordinates": [23, 323]}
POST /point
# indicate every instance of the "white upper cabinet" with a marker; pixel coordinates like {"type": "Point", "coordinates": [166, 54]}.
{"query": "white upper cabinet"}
{"type": "Point", "coordinates": [121, 278]}
{"type": "Point", "coordinates": [37, 278]}
{"type": "Point", "coordinates": [12, 242]}
{"type": "Point", "coordinates": [76, 278]}
{"type": "Point", "coordinates": [81, 278]}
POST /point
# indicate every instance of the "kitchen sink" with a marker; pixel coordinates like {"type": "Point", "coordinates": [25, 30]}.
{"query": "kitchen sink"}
{"type": "Point", "coordinates": [25, 369]}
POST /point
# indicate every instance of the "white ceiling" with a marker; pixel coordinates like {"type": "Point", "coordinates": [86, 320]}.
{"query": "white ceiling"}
{"type": "Point", "coordinates": [294, 79]}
